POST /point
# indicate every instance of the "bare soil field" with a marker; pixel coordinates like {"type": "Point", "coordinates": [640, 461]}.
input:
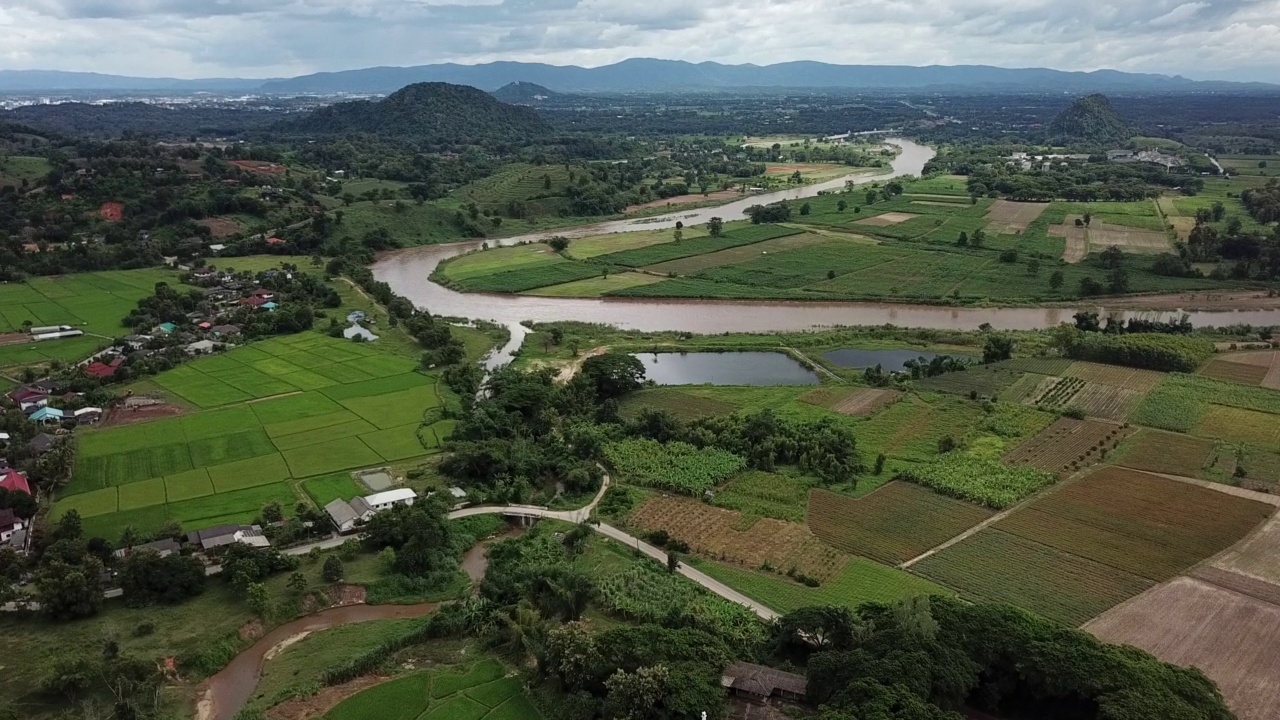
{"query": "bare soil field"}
{"type": "Point", "coordinates": [1182, 226]}
{"type": "Point", "coordinates": [685, 200]}
{"type": "Point", "coordinates": [1011, 218]}
{"type": "Point", "coordinates": [731, 256]}
{"type": "Point", "coordinates": [1081, 240]}
{"type": "Point", "coordinates": [1060, 446]}
{"type": "Point", "coordinates": [1237, 372]}
{"type": "Point", "coordinates": [887, 219]}
{"type": "Point", "coordinates": [1230, 636]}
{"type": "Point", "coordinates": [1164, 452]}
{"type": "Point", "coordinates": [1128, 378]}
{"type": "Point", "coordinates": [733, 537]}
{"type": "Point", "coordinates": [129, 416]}
{"type": "Point", "coordinates": [866, 401]}
{"type": "Point", "coordinates": [220, 227]}
{"type": "Point", "coordinates": [1257, 556]}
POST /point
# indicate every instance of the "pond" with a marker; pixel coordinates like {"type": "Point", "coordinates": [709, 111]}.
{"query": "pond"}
{"type": "Point", "coordinates": [888, 360]}
{"type": "Point", "coordinates": [726, 368]}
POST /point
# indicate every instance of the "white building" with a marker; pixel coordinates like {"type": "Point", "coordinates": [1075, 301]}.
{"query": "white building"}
{"type": "Point", "coordinates": [390, 498]}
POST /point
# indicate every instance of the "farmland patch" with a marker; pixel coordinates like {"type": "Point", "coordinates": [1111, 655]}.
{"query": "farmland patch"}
{"type": "Point", "coordinates": [1163, 452]}
{"type": "Point", "coordinates": [717, 533]}
{"type": "Point", "coordinates": [1007, 217]}
{"type": "Point", "coordinates": [893, 524]}
{"type": "Point", "coordinates": [683, 405]}
{"type": "Point", "coordinates": [860, 581]}
{"type": "Point", "coordinates": [1115, 376]}
{"type": "Point", "coordinates": [1229, 636]}
{"type": "Point", "coordinates": [732, 256]}
{"type": "Point", "coordinates": [1224, 368]}
{"type": "Point", "coordinates": [1069, 445]}
{"type": "Point", "coordinates": [1237, 425]}
{"type": "Point", "coordinates": [886, 219]}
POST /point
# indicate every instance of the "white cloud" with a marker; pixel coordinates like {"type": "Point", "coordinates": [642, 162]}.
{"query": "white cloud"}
{"type": "Point", "coordinates": [189, 38]}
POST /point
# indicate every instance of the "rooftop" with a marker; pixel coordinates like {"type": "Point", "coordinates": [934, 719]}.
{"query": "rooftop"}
{"type": "Point", "coordinates": [391, 496]}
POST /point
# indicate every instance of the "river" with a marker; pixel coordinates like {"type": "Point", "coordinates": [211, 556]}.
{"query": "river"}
{"type": "Point", "coordinates": [408, 270]}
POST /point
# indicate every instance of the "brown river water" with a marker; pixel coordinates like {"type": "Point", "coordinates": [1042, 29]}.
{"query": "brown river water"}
{"type": "Point", "coordinates": [407, 271]}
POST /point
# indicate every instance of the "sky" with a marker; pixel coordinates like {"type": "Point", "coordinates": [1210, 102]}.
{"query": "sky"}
{"type": "Point", "coordinates": [1205, 39]}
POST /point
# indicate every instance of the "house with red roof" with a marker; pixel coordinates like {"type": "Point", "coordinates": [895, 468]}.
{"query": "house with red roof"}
{"type": "Point", "coordinates": [104, 370]}
{"type": "Point", "coordinates": [274, 241]}
{"type": "Point", "coordinates": [111, 211]}
{"type": "Point", "coordinates": [14, 481]}
{"type": "Point", "coordinates": [254, 301]}
{"type": "Point", "coordinates": [29, 397]}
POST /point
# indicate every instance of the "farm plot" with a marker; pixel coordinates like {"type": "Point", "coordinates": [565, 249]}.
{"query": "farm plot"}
{"type": "Point", "coordinates": [596, 245]}
{"type": "Point", "coordinates": [860, 581]}
{"type": "Point", "coordinates": [994, 566]}
{"type": "Point", "coordinates": [1006, 217]}
{"type": "Point", "coordinates": [738, 236]}
{"type": "Point", "coordinates": [992, 380]}
{"type": "Point", "coordinates": [1142, 381]}
{"type": "Point", "coordinates": [675, 466]}
{"type": "Point", "coordinates": [1106, 402]}
{"type": "Point", "coordinates": [1069, 445]}
{"type": "Point", "coordinates": [732, 256]}
{"type": "Point", "coordinates": [734, 537]}
{"type": "Point", "coordinates": [1229, 636]}
{"type": "Point", "coordinates": [766, 494]}
{"type": "Point", "coordinates": [1237, 372]}
{"type": "Point", "coordinates": [1237, 425]}
{"type": "Point", "coordinates": [1056, 392]}
{"type": "Point", "coordinates": [851, 401]}
{"type": "Point", "coordinates": [1180, 401]}
{"type": "Point", "coordinates": [1257, 556]}
{"type": "Point", "coordinates": [1225, 367]}
{"type": "Point", "coordinates": [886, 219]}
{"type": "Point", "coordinates": [1162, 452]}
{"type": "Point", "coordinates": [892, 524]}
{"type": "Point", "coordinates": [683, 405]}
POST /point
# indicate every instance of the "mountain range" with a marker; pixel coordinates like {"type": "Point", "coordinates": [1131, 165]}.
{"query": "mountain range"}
{"type": "Point", "coordinates": [645, 75]}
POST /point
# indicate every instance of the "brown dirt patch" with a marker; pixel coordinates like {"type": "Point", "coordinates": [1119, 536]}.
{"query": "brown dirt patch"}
{"type": "Point", "coordinates": [886, 219]}
{"type": "Point", "coordinates": [1230, 636]}
{"type": "Point", "coordinates": [1182, 226]}
{"type": "Point", "coordinates": [1083, 240]}
{"type": "Point", "coordinates": [129, 416]}
{"type": "Point", "coordinates": [313, 706]}
{"type": "Point", "coordinates": [1007, 217]}
{"type": "Point", "coordinates": [251, 630]}
{"type": "Point", "coordinates": [14, 338]}
{"type": "Point", "coordinates": [1237, 372]}
{"type": "Point", "coordinates": [1257, 556]}
{"type": "Point", "coordinates": [1058, 446]}
{"type": "Point", "coordinates": [866, 401]}
{"type": "Point", "coordinates": [220, 227]}
{"type": "Point", "coordinates": [725, 535]}
{"type": "Point", "coordinates": [685, 200]}
{"type": "Point", "coordinates": [349, 595]}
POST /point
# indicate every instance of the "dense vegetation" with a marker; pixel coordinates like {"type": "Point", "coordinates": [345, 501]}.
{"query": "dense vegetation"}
{"type": "Point", "coordinates": [1152, 351]}
{"type": "Point", "coordinates": [438, 113]}
{"type": "Point", "coordinates": [1090, 120]}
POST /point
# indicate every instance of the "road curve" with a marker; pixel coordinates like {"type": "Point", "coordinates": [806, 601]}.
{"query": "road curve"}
{"type": "Point", "coordinates": [583, 514]}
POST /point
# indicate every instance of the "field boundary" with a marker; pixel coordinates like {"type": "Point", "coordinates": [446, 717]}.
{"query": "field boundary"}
{"type": "Point", "coordinates": [1267, 498]}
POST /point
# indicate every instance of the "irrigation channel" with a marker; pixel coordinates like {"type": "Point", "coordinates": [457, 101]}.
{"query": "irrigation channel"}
{"type": "Point", "coordinates": [408, 272]}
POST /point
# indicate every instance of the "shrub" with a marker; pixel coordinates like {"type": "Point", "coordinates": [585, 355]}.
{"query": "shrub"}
{"type": "Point", "coordinates": [1152, 351]}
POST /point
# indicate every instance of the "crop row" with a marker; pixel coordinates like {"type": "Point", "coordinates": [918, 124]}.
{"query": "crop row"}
{"type": "Point", "coordinates": [985, 482]}
{"type": "Point", "coordinates": [893, 524]}
{"type": "Point", "coordinates": [675, 466]}
{"type": "Point", "coordinates": [664, 252]}
{"type": "Point", "coordinates": [1068, 445]}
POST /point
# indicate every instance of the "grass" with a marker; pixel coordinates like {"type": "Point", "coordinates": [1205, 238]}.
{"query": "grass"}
{"type": "Point", "coordinates": [1180, 402]}
{"type": "Point", "coordinates": [596, 245]}
{"type": "Point", "coordinates": [475, 692]}
{"type": "Point", "coordinates": [338, 486]}
{"type": "Point", "coordinates": [780, 495]}
{"type": "Point", "coordinates": [1163, 452]}
{"type": "Point", "coordinates": [861, 581]}
{"type": "Point", "coordinates": [94, 302]}
{"type": "Point", "coordinates": [596, 286]}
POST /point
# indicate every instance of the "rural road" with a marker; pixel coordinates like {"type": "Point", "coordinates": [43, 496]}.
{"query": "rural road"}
{"type": "Point", "coordinates": [578, 516]}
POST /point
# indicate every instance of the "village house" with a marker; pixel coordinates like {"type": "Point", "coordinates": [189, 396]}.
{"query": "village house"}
{"type": "Point", "coordinates": [47, 416]}
{"type": "Point", "coordinates": [14, 481]}
{"type": "Point", "coordinates": [29, 397]}
{"type": "Point", "coordinates": [10, 525]}
{"type": "Point", "coordinates": [758, 683]}
{"type": "Point", "coordinates": [163, 548]}
{"type": "Point", "coordinates": [87, 415]}
{"type": "Point", "coordinates": [224, 331]}
{"type": "Point", "coordinates": [104, 370]}
{"type": "Point", "coordinates": [213, 538]}
{"type": "Point", "coordinates": [136, 342]}
{"type": "Point", "coordinates": [41, 444]}
{"type": "Point", "coordinates": [201, 347]}
{"type": "Point", "coordinates": [390, 498]}
{"type": "Point", "coordinates": [346, 516]}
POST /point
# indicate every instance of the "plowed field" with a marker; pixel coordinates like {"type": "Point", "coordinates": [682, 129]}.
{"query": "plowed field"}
{"type": "Point", "coordinates": [1068, 445]}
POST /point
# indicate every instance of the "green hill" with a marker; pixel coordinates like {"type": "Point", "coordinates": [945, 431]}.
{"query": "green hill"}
{"type": "Point", "coordinates": [1089, 120]}
{"type": "Point", "coordinates": [523, 93]}
{"type": "Point", "coordinates": [432, 112]}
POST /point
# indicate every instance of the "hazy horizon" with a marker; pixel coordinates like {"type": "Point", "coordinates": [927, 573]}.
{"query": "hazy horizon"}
{"type": "Point", "coordinates": [1225, 40]}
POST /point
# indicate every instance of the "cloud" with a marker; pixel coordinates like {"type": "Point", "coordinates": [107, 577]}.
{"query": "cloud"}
{"type": "Point", "coordinates": [189, 38]}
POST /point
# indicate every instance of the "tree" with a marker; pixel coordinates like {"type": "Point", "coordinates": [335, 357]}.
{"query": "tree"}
{"type": "Point", "coordinates": [613, 375]}
{"type": "Point", "coordinates": [1056, 279]}
{"type": "Point", "coordinates": [963, 239]}
{"type": "Point", "coordinates": [272, 512]}
{"type": "Point", "coordinates": [332, 570]}
{"type": "Point", "coordinates": [1088, 218]}
{"type": "Point", "coordinates": [1112, 257]}
{"type": "Point", "coordinates": [571, 656]}
{"type": "Point", "coordinates": [297, 583]}
{"type": "Point", "coordinates": [558, 243]}
{"type": "Point", "coordinates": [673, 562]}
{"type": "Point", "coordinates": [1089, 287]}
{"type": "Point", "coordinates": [1033, 267]}
{"type": "Point", "coordinates": [67, 592]}
{"type": "Point", "coordinates": [715, 226]}
{"type": "Point", "coordinates": [637, 695]}
{"type": "Point", "coordinates": [997, 348]}
{"type": "Point", "coordinates": [841, 206]}
{"type": "Point", "coordinates": [1218, 211]}
{"type": "Point", "coordinates": [977, 238]}
{"type": "Point", "coordinates": [259, 599]}
{"type": "Point", "coordinates": [678, 235]}
{"type": "Point", "coordinates": [148, 579]}
{"type": "Point", "coordinates": [871, 197]}
{"type": "Point", "coordinates": [805, 209]}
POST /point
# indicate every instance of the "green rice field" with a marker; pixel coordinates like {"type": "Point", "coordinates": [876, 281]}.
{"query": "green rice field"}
{"type": "Point", "coordinates": [242, 448]}
{"type": "Point", "coordinates": [476, 692]}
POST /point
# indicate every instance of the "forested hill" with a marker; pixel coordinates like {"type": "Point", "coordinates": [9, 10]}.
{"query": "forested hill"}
{"type": "Point", "coordinates": [523, 93]}
{"type": "Point", "coordinates": [431, 112]}
{"type": "Point", "coordinates": [1089, 120]}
